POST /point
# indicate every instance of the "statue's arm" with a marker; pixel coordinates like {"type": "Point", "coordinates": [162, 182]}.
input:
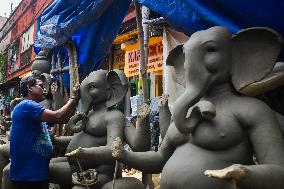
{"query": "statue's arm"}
{"type": "Point", "coordinates": [58, 100]}
{"type": "Point", "coordinates": [268, 145]}
{"type": "Point", "coordinates": [102, 155]}
{"type": "Point", "coordinates": [139, 138]}
{"type": "Point", "coordinates": [258, 120]}
{"type": "Point", "coordinates": [148, 162]}
{"type": "Point", "coordinates": [164, 115]}
{"type": "Point", "coordinates": [61, 141]}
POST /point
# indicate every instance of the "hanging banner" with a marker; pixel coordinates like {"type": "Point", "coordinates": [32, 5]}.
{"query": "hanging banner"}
{"type": "Point", "coordinates": [155, 59]}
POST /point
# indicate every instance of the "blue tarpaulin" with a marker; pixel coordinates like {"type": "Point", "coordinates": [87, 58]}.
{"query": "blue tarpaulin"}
{"type": "Point", "coordinates": [94, 23]}
{"type": "Point", "coordinates": [193, 15]}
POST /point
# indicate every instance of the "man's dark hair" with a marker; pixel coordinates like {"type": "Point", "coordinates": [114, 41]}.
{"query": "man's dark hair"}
{"type": "Point", "coordinates": [27, 82]}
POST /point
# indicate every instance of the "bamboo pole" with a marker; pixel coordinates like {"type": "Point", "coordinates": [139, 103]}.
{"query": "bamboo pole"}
{"type": "Point", "coordinates": [111, 59]}
{"type": "Point", "coordinates": [59, 58]}
{"type": "Point", "coordinates": [145, 16]}
{"type": "Point", "coordinates": [143, 36]}
{"type": "Point", "coordinates": [73, 64]}
{"type": "Point", "coordinates": [143, 62]}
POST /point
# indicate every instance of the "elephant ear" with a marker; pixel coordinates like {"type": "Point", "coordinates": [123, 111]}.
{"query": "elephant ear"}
{"type": "Point", "coordinates": [254, 54]}
{"type": "Point", "coordinates": [118, 86]}
{"type": "Point", "coordinates": [176, 59]}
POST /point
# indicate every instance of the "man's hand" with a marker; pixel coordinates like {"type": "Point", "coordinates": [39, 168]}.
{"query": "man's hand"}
{"type": "Point", "coordinates": [76, 91]}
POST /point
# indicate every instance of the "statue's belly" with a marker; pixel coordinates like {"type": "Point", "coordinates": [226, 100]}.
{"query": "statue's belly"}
{"type": "Point", "coordinates": [185, 169]}
{"type": "Point", "coordinates": [86, 140]}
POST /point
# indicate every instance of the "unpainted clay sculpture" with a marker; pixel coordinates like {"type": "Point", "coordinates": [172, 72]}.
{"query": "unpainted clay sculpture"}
{"type": "Point", "coordinates": [41, 68]}
{"type": "Point", "coordinates": [98, 125]}
{"type": "Point", "coordinates": [216, 131]}
{"type": "Point", "coordinates": [4, 158]}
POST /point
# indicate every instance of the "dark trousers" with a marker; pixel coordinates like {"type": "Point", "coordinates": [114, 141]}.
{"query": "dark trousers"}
{"type": "Point", "coordinates": [30, 185]}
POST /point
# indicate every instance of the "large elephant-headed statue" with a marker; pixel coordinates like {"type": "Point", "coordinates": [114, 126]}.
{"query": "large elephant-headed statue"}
{"type": "Point", "coordinates": [89, 159]}
{"type": "Point", "coordinates": [216, 130]}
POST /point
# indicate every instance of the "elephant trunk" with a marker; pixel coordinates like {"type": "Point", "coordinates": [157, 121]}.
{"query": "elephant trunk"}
{"type": "Point", "coordinates": [79, 121]}
{"type": "Point", "coordinates": [74, 125]}
{"type": "Point", "coordinates": [195, 90]}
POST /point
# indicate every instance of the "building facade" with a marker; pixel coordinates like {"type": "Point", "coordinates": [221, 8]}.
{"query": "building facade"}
{"type": "Point", "coordinates": [16, 38]}
{"type": "Point", "coordinates": [16, 48]}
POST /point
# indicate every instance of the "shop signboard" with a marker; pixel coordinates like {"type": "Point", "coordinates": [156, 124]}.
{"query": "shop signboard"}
{"type": "Point", "coordinates": [155, 59]}
{"type": "Point", "coordinates": [119, 59]}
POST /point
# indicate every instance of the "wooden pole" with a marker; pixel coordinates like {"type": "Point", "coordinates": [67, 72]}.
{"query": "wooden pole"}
{"type": "Point", "coordinates": [143, 39]}
{"type": "Point", "coordinates": [143, 62]}
{"type": "Point", "coordinates": [73, 64]}
{"type": "Point", "coordinates": [111, 59]}
{"type": "Point", "coordinates": [59, 58]}
{"type": "Point", "coordinates": [145, 16]}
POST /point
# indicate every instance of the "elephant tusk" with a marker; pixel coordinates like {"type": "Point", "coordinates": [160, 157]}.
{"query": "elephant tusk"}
{"type": "Point", "coordinates": [207, 109]}
{"type": "Point", "coordinates": [202, 110]}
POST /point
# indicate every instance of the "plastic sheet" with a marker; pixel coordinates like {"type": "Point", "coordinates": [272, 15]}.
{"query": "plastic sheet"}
{"type": "Point", "coordinates": [192, 15]}
{"type": "Point", "coordinates": [93, 24]}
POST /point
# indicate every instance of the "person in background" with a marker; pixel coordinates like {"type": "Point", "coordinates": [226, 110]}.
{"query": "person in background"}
{"type": "Point", "coordinates": [30, 146]}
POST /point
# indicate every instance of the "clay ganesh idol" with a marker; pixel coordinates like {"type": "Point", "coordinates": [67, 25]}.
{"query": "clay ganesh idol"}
{"type": "Point", "coordinates": [216, 131]}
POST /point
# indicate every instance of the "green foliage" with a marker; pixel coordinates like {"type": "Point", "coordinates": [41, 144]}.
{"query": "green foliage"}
{"type": "Point", "coordinates": [3, 63]}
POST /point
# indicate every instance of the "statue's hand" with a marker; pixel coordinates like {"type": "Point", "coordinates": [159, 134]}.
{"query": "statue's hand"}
{"type": "Point", "coordinates": [234, 172]}
{"type": "Point", "coordinates": [54, 88]}
{"type": "Point", "coordinates": [164, 100]}
{"type": "Point", "coordinates": [144, 111]}
{"type": "Point", "coordinates": [76, 153]}
{"type": "Point", "coordinates": [117, 148]}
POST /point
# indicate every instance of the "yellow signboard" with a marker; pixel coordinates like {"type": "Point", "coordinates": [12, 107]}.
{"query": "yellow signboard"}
{"type": "Point", "coordinates": [155, 58]}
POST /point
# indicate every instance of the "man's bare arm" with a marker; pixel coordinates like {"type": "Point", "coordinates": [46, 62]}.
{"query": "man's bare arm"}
{"type": "Point", "coordinates": [63, 114]}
